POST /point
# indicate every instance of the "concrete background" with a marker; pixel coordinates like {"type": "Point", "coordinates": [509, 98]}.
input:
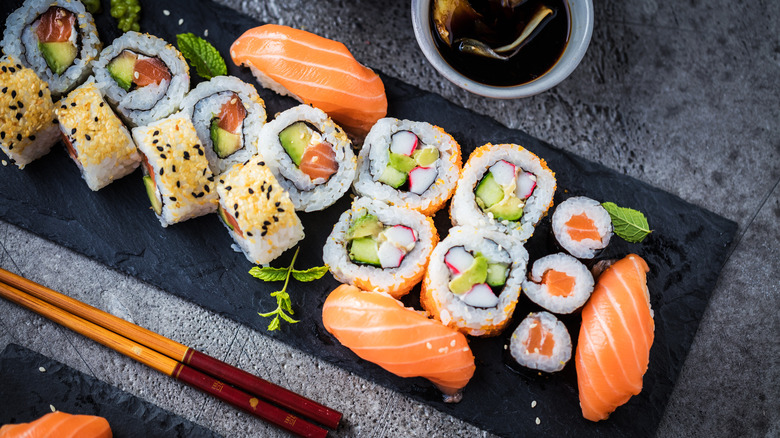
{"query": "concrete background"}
{"type": "Point", "coordinates": [682, 95]}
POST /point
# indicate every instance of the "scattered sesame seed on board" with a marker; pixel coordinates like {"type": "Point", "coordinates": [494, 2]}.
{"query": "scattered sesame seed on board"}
{"type": "Point", "coordinates": [53, 409]}
{"type": "Point", "coordinates": [538, 421]}
{"type": "Point", "coordinates": [205, 32]}
{"type": "Point", "coordinates": [533, 404]}
{"type": "Point", "coordinates": [166, 12]}
{"type": "Point", "coordinates": [181, 21]}
{"type": "Point", "coordinates": [42, 369]}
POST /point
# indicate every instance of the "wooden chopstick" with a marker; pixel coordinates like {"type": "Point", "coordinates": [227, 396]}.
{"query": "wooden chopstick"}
{"type": "Point", "coordinates": [165, 351]}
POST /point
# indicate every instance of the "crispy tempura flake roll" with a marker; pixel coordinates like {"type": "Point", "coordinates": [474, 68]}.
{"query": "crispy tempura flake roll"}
{"type": "Point", "coordinates": [541, 342]}
{"type": "Point", "coordinates": [95, 138]}
{"type": "Point", "coordinates": [559, 283]}
{"type": "Point", "coordinates": [257, 211]}
{"type": "Point", "coordinates": [28, 127]}
{"type": "Point", "coordinates": [582, 226]}
{"type": "Point", "coordinates": [177, 176]}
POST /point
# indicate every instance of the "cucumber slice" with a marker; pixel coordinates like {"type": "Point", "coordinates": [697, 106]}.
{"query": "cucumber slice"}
{"type": "Point", "coordinates": [476, 273]}
{"type": "Point", "coordinates": [121, 69]}
{"type": "Point", "coordinates": [392, 177]}
{"type": "Point", "coordinates": [488, 191]}
{"type": "Point", "coordinates": [364, 250]}
{"type": "Point", "coordinates": [496, 274]}
{"type": "Point", "coordinates": [402, 163]}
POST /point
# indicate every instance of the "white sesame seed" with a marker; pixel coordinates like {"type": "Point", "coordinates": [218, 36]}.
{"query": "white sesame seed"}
{"type": "Point", "coordinates": [206, 32]}
{"type": "Point", "coordinates": [42, 369]}
{"type": "Point", "coordinates": [5, 163]}
{"type": "Point", "coordinates": [135, 74]}
{"type": "Point", "coordinates": [538, 421]}
{"type": "Point", "coordinates": [428, 345]}
{"type": "Point", "coordinates": [533, 404]}
{"type": "Point", "coordinates": [181, 20]}
{"type": "Point", "coordinates": [166, 12]}
{"type": "Point", "coordinates": [53, 409]}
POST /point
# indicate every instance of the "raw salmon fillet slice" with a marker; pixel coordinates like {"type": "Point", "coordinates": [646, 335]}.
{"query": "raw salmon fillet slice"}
{"type": "Point", "coordinates": [55, 25]}
{"type": "Point", "coordinates": [581, 227]}
{"type": "Point", "coordinates": [59, 425]}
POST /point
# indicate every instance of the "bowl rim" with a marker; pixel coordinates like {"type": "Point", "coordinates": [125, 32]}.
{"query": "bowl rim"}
{"type": "Point", "coordinates": [579, 40]}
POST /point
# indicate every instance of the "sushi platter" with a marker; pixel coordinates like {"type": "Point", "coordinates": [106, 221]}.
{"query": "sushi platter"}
{"type": "Point", "coordinates": [195, 261]}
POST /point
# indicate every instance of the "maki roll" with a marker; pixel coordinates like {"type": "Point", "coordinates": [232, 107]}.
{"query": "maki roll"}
{"type": "Point", "coordinates": [474, 279]}
{"type": "Point", "coordinates": [259, 214]}
{"type": "Point", "coordinates": [559, 283]}
{"type": "Point", "coordinates": [378, 247]}
{"type": "Point", "coordinates": [541, 342]}
{"type": "Point", "coordinates": [55, 38]}
{"type": "Point", "coordinates": [227, 114]}
{"type": "Point", "coordinates": [28, 127]}
{"type": "Point", "coordinates": [144, 77]}
{"type": "Point", "coordinates": [310, 156]}
{"type": "Point", "coordinates": [410, 164]}
{"type": "Point", "coordinates": [503, 186]}
{"type": "Point", "coordinates": [95, 138]}
{"type": "Point", "coordinates": [582, 227]}
{"type": "Point", "coordinates": [177, 176]}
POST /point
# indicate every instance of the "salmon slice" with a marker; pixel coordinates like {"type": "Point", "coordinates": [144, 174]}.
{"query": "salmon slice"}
{"type": "Point", "coordinates": [319, 161]}
{"type": "Point", "coordinates": [581, 227]}
{"type": "Point", "coordinates": [613, 351]}
{"type": "Point", "coordinates": [150, 71]}
{"type": "Point", "coordinates": [381, 330]}
{"type": "Point", "coordinates": [316, 71]}
{"type": "Point", "coordinates": [232, 115]}
{"type": "Point", "coordinates": [540, 340]}
{"type": "Point", "coordinates": [55, 25]}
{"type": "Point", "coordinates": [558, 283]}
{"type": "Point", "coordinates": [59, 425]}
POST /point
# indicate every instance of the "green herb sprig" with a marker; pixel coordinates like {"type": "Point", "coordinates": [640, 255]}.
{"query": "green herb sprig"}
{"type": "Point", "coordinates": [283, 304]}
{"type": "Point", "coordinates": [630, 225]}
{"type": "Point", "coordinates": [201, 55]}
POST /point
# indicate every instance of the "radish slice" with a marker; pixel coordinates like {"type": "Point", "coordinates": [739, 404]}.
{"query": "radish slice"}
{"type": "Point", "coordinates": [480, 295]}
{"type": "Point", "coordinates": [420, 178]}
{"type": "Point", "coordinates": [390, 256]}
{"type": "Point", "coordinates": [503, 172]}
{"type": "Point", "coordinates": [458, 259]}
{"type": "Point", "coordinates": [401, 236]}
{"type": "Point", "coordinates": [404, 143]}
{"type": "Point", "coordinates": [526, 182]}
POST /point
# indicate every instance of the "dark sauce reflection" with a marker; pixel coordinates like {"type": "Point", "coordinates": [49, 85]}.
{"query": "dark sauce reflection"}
{"type": "Point", "coordinates": [499, 23]}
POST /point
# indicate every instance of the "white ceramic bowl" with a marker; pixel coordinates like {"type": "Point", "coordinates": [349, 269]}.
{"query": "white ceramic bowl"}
{"type": "Point", "coordinates": [581, 31]}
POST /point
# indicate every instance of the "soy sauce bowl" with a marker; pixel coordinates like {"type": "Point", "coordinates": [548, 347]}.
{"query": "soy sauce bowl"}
{"type": "Point", "coordinates": [581, 15]}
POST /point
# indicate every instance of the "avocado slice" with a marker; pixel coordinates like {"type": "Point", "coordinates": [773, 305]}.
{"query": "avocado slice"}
{"type": "Point", "coordinates": [364, 250]}
{"type": "Point", "coordinates": [365, 226]}
{"type": "Point", "coordinates": [476, 273]}
{"type": "Point", "coordinates": [58, 55]}
{"type": "Point", "coordinates": [510, 208]}
{"type": "Point", "coordinates": [121, 69]}
{"type": "Point", "coordinates": [488, 192]}
{"type": "Point", "coordinates": [392, 177]}
{"type": "Point", "coordinates": [426, 156]}
{"type": "Point", "coordinates": [402, 163]}
{"type": "Point", "coordinates": [223, 216]}
{"type": "Point", "coordinates": [496, 274]}
{"type": "Point", "coordinates": [295, 138]}
{"type": "Point", "coordinates": [151, 191]}
{"type": "Point", "coordinates": [225, 143]}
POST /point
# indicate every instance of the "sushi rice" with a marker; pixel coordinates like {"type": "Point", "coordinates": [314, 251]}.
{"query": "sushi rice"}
{"type": "Point", "coordinates": [574, 273]}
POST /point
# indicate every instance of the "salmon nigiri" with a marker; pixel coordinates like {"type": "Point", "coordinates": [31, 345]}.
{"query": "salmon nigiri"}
{"type": "Point", "coordinates": [59, 425]}
{"type": "Point", "coordinates": [381, 330]}
{"type": "Point", "coordinates": [615, 339]}
{"type": "Point", "coordinates": [313, 70]}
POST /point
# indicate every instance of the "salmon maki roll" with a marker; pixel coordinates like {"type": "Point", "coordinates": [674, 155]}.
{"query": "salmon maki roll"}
{"type": "Point", "coordinates": [59, 425]}
{"type": "Point", "coordinates": [381, 330]}
{"type": "Point", "coordinates": [613, 350]}
{"type": "Point", "coordinates": [582, 227]}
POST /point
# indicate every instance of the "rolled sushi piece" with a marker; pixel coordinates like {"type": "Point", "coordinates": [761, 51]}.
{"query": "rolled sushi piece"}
{"type": "Point", "coordinates": [177, 176]}
{"type": "Point", "coordinates": [257, 211]}
{"type": "Point", "coordinates": [55, 38]}
{"type": "Point", "coordinates": [95, 138]}
{"type": "Point", "coordinates": [582, 227]}
{"type": "Point", "coordinates": [228, 115]}
{"type": "Point", "coordinates": [143, 76]}
{"type": "Point", "coordinates": [504, 186]}
{"type": "Point", "coordinates": [541, 342]}
{"type": "Point", "coordinates": [473, 280]}
{"type": "Point", "coordinates": [409, 164]}
{"type": "Point", "coordinates": [28, 127]}
{"type": "Point", "coordinates": [310, 156]}
{"type": "Point", "coordinates": [559, 283]}
{"type": "Point", "coordinates": [379, 247]}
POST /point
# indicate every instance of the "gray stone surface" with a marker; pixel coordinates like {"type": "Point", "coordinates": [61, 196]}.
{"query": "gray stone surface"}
{"type": "Point", "coordinates": [682, 95]}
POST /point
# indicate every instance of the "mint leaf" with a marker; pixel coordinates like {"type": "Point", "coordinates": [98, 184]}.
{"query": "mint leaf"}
{"type": "Point", "coordinates": [310, 274]}
{"type": "Point", "coordinates": [630, 225]}
{"type": "Point", "coordinates": [202, 55]}
{"type": "Point", "coordinates": [269, 273]}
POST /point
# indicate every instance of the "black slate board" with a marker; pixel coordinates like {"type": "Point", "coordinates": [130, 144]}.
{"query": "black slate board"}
{"type": "Point", "coordinates": [27, 394]}
{"type": "Point", "coordinates": [193, 260]}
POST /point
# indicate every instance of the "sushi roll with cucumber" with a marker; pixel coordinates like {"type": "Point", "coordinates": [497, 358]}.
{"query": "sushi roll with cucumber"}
{"type": "Point", "coordinates": [559, 283]}
{"type": "Point", "coordinates": [28, 127]}
{"type": "Point", "coordinates": [144, 77]}
{"type": "Point", "coordinates": [177, 176]}
{"type": "Point", "coordinates": [55, 38]}
{"type": "Point", "coordinates": [310, 156]}
{"type": "Point", "coordinates": [582, 227]}
{"type": "Point", "coordinates": [95, 138]}
{"type": "Point", "coordinates": [257, 211]}
{"type": "Point", "coordinates": [474, 279]}
{"type": "Point", "coordinates": [503, 186]}
{"type": "Point", "coordinates": [409, 164]}
{"type": "Point", "coordinates": [379, 247]}
{"type": "Point", "coordinates": [228, 115]}
{"type": "Point", "coordinates": [541, 342]}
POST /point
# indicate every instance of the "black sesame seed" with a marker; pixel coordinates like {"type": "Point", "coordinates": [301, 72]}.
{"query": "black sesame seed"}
{"type": "Point", "coordinates": [173, 198]}
{"type": "Point", "coordinates": [101, 104]}
{"type": "Point", "coordinates": [2, 134]}
{"type": "Point", "coordinates": [280, 210]}
{"type": "Point", "coordinates": [251, 192]}
{"type": "Point", "coordinates": [18, 116]}
{"type": "Point", "coordinates": [229, 188]}
{"type": "Point", "coordinates": [276, 204]}
{"type": "Point", "coordinates": [236, 215]}
{"type": "Point", "coordinates": [19, 102]}
{"type": "Point", "coordinates": [64, 106]}
{"type": "Point", "coordinates": [261, 163]}
{"type": "Point", "coordinates": [12, 107]}
{"type": "Point", "coordinates": [19, 66]}
{"type": "Point", "coordinates": [13, 94]}
{"type": "Point", "coordinates": [5, 70]}
{"type": "Point", "coordinates": [73, 131]}
{"type": "Point", "coordinates": [222, 181]}
{"type": "Point", "coordinates": [40, 93]}
{"type": "Point", "coordinates": [264, 233]}
{"type": "Point", "coordinates": [207, 189]}
{"type": "Point", "coordinates": [156, 133]}
{"type": "Point", "coordinates": [87, 137]}
{"type": "Point", "coordinates": [168, 145]}
{"type": "Point", "coordinates": [235, 206]}
{"type": "Point", "coordinates": [211, 178]}
{"type": "Point", "coordinates": [55, 121]}
{"type": "Point", "coordinates": [73, 104]}
{"type": "Point", "coordinates": [178, 184]}
{"type": "Point", "coordinates": [160, 148]}
{"type": "Point", "coordinates": [200, 151]}
{"type": "Point", "coordinates": [276, 219]}
{"type": "Point", "coordinates": [155, 141]}
{"type": "Point", "coordinates": [186, 155]}
{"type": "Point", "coordinates": [161, 170]}
{"type": "Point", "coordinates": [249, 233]}
{"type": "Point", "coordinates": [266, 223]}
{"type": "Point", "coordinates": [173, 168]}
{"type": "Point", "coordinates": [19, 137]}
{"type": "Point", "coordinates": [96, 119]}
{"type": "Point", "coordinates": [12, 70]}
{"type": "Point", "coordinates": [163, 157]}
{"type": "Point", "coordinates": [5, 90]}
{"type": "Point", "coordinates": [32, 138]}
{"type": "Point", "coordinates": [194, 195]}
{"type": "Point", "coordinates": [10, 146]}
{"type": "Point", "coordinates": [204, 170]}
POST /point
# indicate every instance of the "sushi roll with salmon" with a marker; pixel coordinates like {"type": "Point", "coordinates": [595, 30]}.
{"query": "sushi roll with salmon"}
{"type": "Point", "coordinates": [410, 164]}
{"type": "Point", "coordinates": [473, 280]}
{"type": "Point", "coordinates": [95, 138]}
{"type": "Point", "coordinates": [228, 115]}
{"type": "Point", "coordinates": [503, 186]}
{"type": "Point", "coordinates": [257, 211]}
{"type": "Point", "coordinates": [28, 127]}
{"type": "Point", "coordinates": [582, 227]}
{"type": "Point", "coordinates": [177, 175]}
{"type": "Point", "coordinates": [55, 38]}
{"type": "Point", "coordinates": [143, 77]}
{"type": "Point", "coordinates": [379, 247]}
{"type": "Point", "coordinates": [541, 342]}
{"type": "Point", "coordinates": [310, 156]}
{"type": "Point", "coordinates": [559, 283]}
{"type": "Point", "coordinates": [59, 424]}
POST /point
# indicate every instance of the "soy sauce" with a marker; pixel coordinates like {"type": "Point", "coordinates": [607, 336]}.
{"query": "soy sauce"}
{"type": "Point", "coordinates": [500, 25]}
